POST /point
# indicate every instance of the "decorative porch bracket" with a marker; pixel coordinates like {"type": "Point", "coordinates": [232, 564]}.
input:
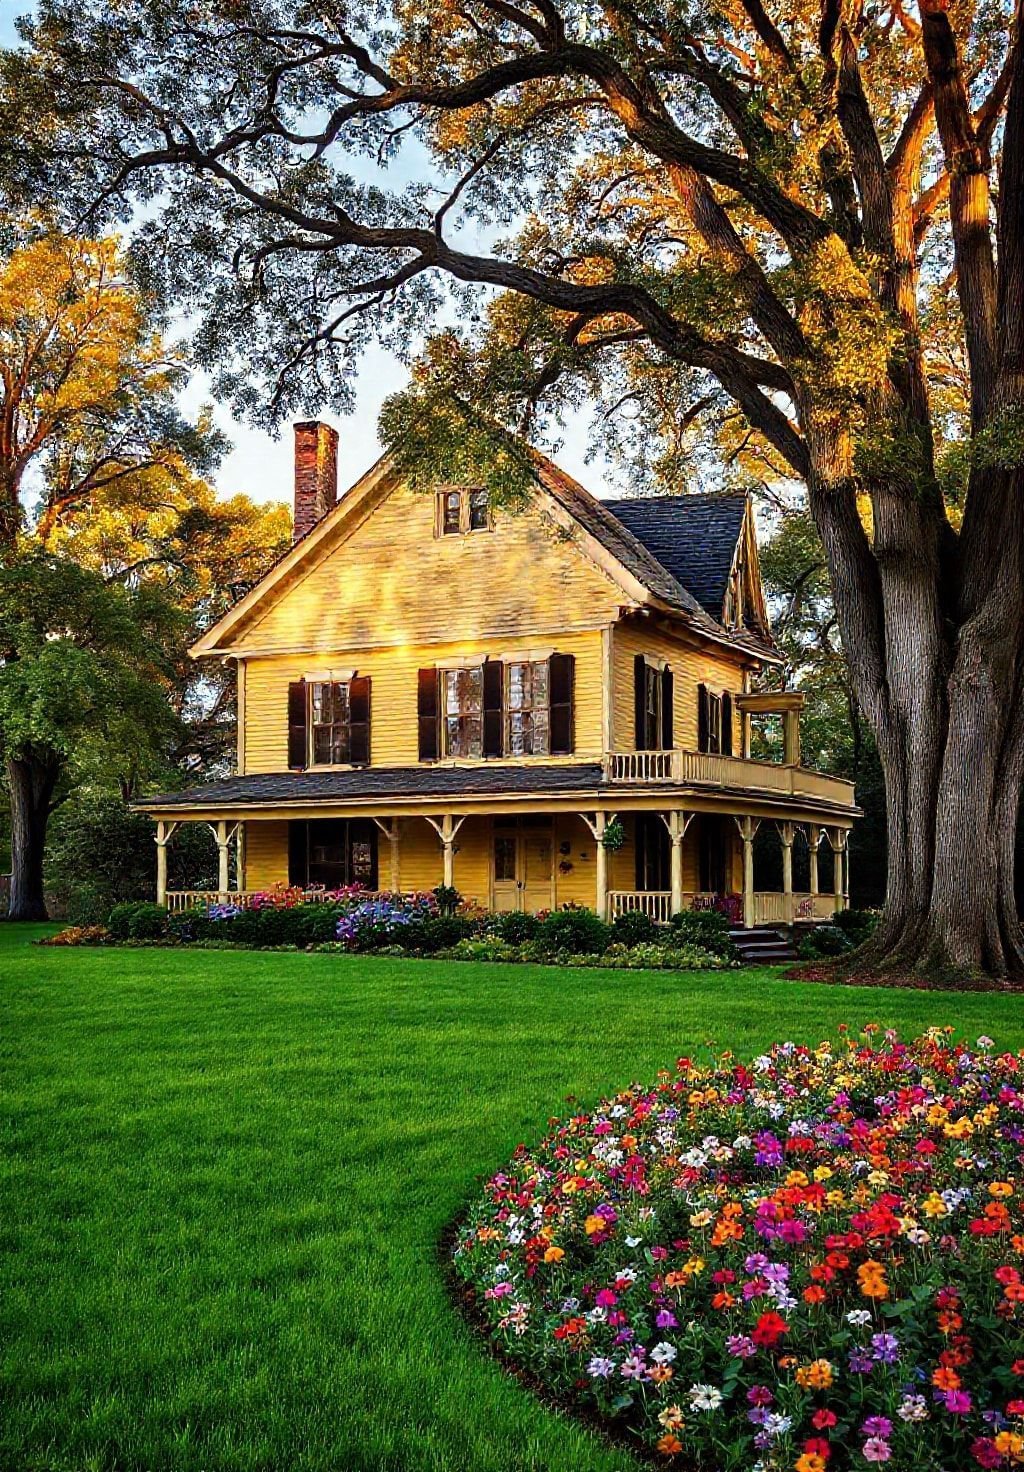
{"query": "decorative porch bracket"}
{"type": "Point", "coordinates": [677, 822]}
{"type": "Point", "coordinates": [164, 833]}
{"type": "Point", "coordinates": [447, 830]}
{"type": "Point", "coordinates": [748, 832]}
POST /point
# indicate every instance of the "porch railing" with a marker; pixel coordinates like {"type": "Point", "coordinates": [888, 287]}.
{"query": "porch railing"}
{"type": "Point", "coordinates": [710, 769]}
{"type": "Point", "coordinates": [187, 899]}
{"type": "Point", "coordinates": [653, 902]}
{"type": "Point", "coordinates": [769, 905]}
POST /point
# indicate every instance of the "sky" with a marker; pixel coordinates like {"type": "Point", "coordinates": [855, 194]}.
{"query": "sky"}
{"type": "Point", "coordinates": [260, 462]}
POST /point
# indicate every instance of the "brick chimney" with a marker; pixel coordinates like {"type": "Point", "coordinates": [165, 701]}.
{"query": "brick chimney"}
{"type": "Point", "coordinates": [316, 475]}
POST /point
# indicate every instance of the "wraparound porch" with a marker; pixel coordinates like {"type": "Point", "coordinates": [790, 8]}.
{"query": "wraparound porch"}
{"type": "Point", "coordinates": [669, 859]}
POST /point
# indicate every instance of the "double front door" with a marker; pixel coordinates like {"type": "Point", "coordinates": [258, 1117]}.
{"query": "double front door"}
{"type": "Point", "coordinates": [522, 864]}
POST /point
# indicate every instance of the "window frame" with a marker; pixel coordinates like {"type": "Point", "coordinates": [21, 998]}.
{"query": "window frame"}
{"type": "Point", "coordinates": [531, 710]}
{"type": "Point", "coordinates": [313, 726]}
{"type": "Point", "coordinates": [466, 527]}
{"type": "Point", "coordinates": [462, 716]}
{"type": "Point", "coordinates": [653, 705]}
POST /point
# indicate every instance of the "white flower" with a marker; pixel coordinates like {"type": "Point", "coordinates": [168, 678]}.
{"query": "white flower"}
{"type": "Point", "coordinates": [984, 1043]}
{"type": "Point", "coordinates": [704, 1398]}
{"type": "Point", "coordinates": [859, 1317]}
{"type": "Point", "coordinates": [912, 1408]}
{"type": "Point", "coordinates": [777, 1425]}
{"type": "Point", "coordinates": [633, 1241]}
{"type": "Point", "coordinates": [663, 1353]}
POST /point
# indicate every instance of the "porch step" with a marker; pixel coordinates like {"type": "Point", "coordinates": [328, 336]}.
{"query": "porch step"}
{"type": "Point", "coordinates": [762, 945]}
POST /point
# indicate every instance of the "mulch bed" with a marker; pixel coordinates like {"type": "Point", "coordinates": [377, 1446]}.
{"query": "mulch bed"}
{"type": "Point", "coordinates": [834, 975]}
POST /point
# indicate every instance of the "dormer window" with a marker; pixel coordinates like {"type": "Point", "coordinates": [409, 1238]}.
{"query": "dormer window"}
{"type": "Point", "coordinates": [461, 510]}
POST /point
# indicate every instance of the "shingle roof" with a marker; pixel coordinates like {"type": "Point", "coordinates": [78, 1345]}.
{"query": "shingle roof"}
{"type": "Point", "coordinates": [693, 537]}
{"type": "Point", "coordinates": [372, 782]}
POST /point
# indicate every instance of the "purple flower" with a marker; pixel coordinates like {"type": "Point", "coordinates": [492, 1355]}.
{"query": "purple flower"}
{"type": "Point", "coordinates": [861, 1362]}
{"type": "Point", "coordinates": [886, 1349]}
{"type": "Point", "coordinates": [877, 1426]}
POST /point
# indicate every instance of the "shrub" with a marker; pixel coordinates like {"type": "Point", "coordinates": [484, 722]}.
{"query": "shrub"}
{"type": "Point", "coordinates": [634, 928]}
{"type": "Point", "coordinates": [575, 932]}
{"type": "Point", "coordinates": [439, 933]}
{"type": "Point", "coordinates": [824, 940]}
{"type": "Point", "coordinates": [191, 926]}
{"type": "Point", "coordinates": [515, 926]}
{"type": "Point", "coordinates": [483, 948]}
{"type": "Point", "coordinates": [708, 929]}
{"type": "Point", "coordinates": [655, 956]}
{"type": "Point", "coordinates": [447, 898]}
{"type": "Point", "coordinates": [830, 1314]}
{"type": "Point", "coordinates": [387, 919]}
{"type": "Point", "coordinates": [138, 920]}
{"type": "Point", "coordinates": [859, 925]}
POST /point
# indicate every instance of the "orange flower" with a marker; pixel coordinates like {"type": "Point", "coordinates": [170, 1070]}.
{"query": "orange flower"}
{"type": "Point", "coordinates": [554, 1254]}
{"type": "Point", "coordinates": [810, 1462]}
{"type": "Point", "coordinates": [669, 1445]}
{"type": "Point", "coordinates": [944, 1379]}
{"type": "Point", "coordinates": [660, 1373]}
{"type": "Point", "coordinates": [814, 1294]}
{"type": "Point", "coordinates": [871, 1277]}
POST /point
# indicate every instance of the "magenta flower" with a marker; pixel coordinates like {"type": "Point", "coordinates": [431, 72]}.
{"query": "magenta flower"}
{"type": "Point", "coordinates": [877, 1450]}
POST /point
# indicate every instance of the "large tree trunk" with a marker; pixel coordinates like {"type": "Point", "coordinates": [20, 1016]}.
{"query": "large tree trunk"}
{"type": "Point", "coordinates": [31, 781]}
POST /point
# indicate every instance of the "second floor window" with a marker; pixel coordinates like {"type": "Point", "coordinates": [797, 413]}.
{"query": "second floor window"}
{"type": "Point", "coordinates": [331, 720]}
{"type": "Point", "coordinates": [714, 721]}
{"type": "Point", "coordinates": [653, 697]}
{"type": "Point", "coordinates": [527, 726]}
{"type": "Point", "coordinates": [463, 709]}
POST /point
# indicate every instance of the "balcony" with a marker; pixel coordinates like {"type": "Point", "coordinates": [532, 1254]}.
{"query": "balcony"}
{"type": "Point", "coordinates": [710, 770]}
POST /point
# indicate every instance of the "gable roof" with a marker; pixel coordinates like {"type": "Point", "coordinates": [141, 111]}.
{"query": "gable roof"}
{"type": "Point", "coordinates": [694, 537]}
{"type": "Point", "coordinates": [648, 566]}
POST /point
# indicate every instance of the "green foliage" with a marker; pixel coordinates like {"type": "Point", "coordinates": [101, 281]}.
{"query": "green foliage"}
{"type": "Point", "coordinates": [858, 925]}
{"type": "Point", "coordinates": [437, 933]}
{"type": "Point", "coordinates": [515, 926]}
{"type": "Point", "coordinates": [633, 928]}
{"type": "Point", "coordinates": [575, 931]}
{"type": "Point", "coordinates": [824, 941]}
{"type": "Point", "coordinates": [138, 920]}
{"type": "Point", "coordinates": [614, 836]}
{"type": "Point", "coordinates": [447, 897]}
{"type": "Point", "coordinates": [706, 928]}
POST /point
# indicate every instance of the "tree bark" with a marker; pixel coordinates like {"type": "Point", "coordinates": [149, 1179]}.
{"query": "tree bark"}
{"type": "Point", "coordinates": [31, 780]}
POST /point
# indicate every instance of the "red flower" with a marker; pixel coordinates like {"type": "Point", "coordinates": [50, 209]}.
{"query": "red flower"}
{"type": "Point", "coordinates": [768, 1330]}
{"type": "Point", "coordinates": [823, 1420]}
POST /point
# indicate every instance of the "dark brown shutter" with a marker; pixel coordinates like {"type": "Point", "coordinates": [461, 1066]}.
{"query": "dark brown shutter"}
{"type": "Point", "coordinates": [493, 687]}
{"type": "Point", "coordinates": [427, 714]}
{"type": "Point", "coordinates": [298, 745]}
{"type": "Point", "coordinates": [667, 734]}
{"type": "Point", "coordinates": [297, 852]}
{"type": "Point", "coordinates": [561, 679]}
{"type": "Point", "coordinates": [640, 851]}
{"type": "Point", "coordinates": [703, 718]}
{"type": "Point", "coordinates": [727, 724]}
{"type": "Point", "coordinates": [359, 721]}
{"type": "Point", "coordinates": [640, 701]}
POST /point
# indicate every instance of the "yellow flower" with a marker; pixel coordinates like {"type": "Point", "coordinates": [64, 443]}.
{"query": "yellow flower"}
{"type": "Point", "coordinates": [822, 1173]}
{"type": "Point", "coordinates": [671, 1417]}
{"type": "Point", "coordinates": [1000, 1190]}
{"type": "Point", "coordinates": [933, 1205]}
{"type": "Point", "coordinates": [796, 1178]}
{"type": "Point", "coordinates": [594, 1224]}
{"type": "Point", "coordinates": [554, 1254]}
{"type": "Point", "coordinates": [702, 1218]}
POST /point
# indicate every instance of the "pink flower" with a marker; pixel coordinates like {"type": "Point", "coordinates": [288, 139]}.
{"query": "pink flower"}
{"type": "Point", "coordinates": [877, 1450]}
{"type": "Point", "coordinates": [605, 1298]}
{"type": "Point", "coordinates": [957, 1402]}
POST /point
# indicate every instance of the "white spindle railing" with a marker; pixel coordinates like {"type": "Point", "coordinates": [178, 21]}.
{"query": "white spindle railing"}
{"type": "Point", "coordinates": [711, 769]}
{"type": "Point", "coordinates": [187, 899]}
{"type": "Point", "coordinates": [653, 902]}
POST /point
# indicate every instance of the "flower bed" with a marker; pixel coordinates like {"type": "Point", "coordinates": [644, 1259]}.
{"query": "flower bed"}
{"type": "Point", "coordinates": [809, 1263]}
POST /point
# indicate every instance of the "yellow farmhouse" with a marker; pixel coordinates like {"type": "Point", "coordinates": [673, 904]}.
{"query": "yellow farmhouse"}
{"type": "Point", "coordinates": [432, 690]}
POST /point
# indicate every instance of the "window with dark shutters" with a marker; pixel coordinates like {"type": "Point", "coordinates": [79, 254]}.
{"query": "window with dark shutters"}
{"type": "Point", "coordinates": [561, 680]}
{"type": "Point", "coordinates": [652, 705]}
{"type": "Point", "coordinates": [727, 724]}
{"type": "Point", "coordinates": [426, 710]}
{"type": "Point", "coordinates": [298, 744]}
{"type": "Point", "coordinates": [640, 702]}
{"type": "Point", "coordinates": [493, 744]}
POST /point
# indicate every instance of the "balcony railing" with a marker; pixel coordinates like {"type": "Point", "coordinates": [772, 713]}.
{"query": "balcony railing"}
{"type": "Point", "coordinates": [709, 769]}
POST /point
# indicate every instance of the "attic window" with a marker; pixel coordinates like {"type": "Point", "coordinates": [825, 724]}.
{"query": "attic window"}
{"type": "Point", "coordinates": [462, 510]}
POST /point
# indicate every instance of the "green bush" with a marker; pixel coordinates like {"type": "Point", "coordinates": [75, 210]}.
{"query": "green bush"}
{"type": "Point", "coordinates": [438, 933]}
{"type": "Point", "coordinates": [576, 932]}
{"type": "Point", "coordinates": [660, 957]}
{"type": "Point", "coordinates": [483, 948]}
{"type": "Point", "coordinates": [515, 927]}
{"type": "Point", "coordinates": [823, 941]}
{"type": "Point", "coordinates": [708, 929]}
{"type": "Point", "coordinates": [858, 925]}
{"type": "Point", "coordinates": [634, 928]}
{"type": "Point", "coordinates": [193, 926]}
{"type": "Point", "coordinates": [138, 920]}
{"type": "Point", "coordinates": [447, 897]}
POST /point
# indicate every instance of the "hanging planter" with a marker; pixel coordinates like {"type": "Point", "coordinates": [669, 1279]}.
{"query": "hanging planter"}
{"type": "Point", "coordinates": [614, 835]}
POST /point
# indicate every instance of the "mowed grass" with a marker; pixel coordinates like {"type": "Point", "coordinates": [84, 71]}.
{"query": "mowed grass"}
{"type": "Point", "coordinates": [225, 1176]}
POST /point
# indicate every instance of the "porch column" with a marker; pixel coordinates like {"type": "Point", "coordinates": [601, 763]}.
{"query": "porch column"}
{"type": "Point", "coordinates": [164, 833]}
{"type": "Point", "coordinates": [677, 822]}
{"type": "Point", "coordinates": [813, 840]}
{"type": "Point", "coordinates": [601, 887]}
{"type": "Point", "coordinates": [240, 855]}
{"type": "Point", "coordinates": [446, 831]}
{"type": "Point", "coordinates": [224, 857]}
{"type": "Point", "coordinates": [838, 838]}
{"type": "Point", "coordinates": [748, 831]}
{"type": "Point", "coordinates": [787, 832]}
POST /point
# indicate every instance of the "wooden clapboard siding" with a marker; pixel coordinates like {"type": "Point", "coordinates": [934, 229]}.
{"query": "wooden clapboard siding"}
{"type": "Point", "coordinates": [266, 853]}
{"type": "Point", "coordinates": [690, 666]}
{"type": "Point", "coordinates": [393, 675]}
{"type": "Point", "coordinates": [391, 580]}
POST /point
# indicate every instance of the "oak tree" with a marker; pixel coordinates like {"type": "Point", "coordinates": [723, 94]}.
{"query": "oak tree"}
{"type": "Point", "coordinates": [735, 203]}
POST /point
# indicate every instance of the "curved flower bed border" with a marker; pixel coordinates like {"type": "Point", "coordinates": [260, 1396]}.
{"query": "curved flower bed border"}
{"type": "Point", "coordinates": [811, 1263]}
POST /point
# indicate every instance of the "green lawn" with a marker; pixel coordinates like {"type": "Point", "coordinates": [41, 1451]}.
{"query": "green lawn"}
{"type": "Point", "coordinates": [225, 1174]}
